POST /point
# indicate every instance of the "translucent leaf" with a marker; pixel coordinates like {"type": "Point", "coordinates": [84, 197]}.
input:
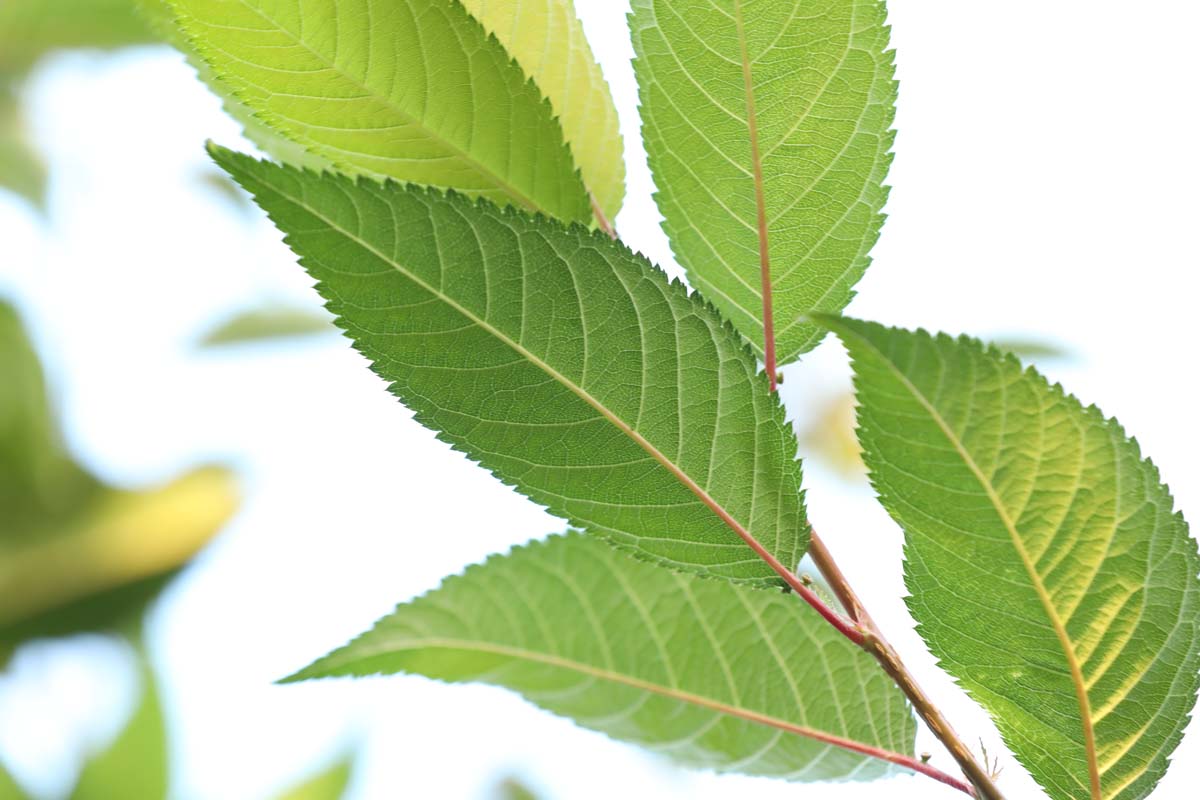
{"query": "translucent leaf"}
{"type": "Point", "coordinates": [1048, 569]}
{"type": "Point", "coordinates": [559, 360]}
{"type": "Point", "coordinates": [134, 765]}
{"type": "Point", "coordinates": [768, 127]}
{"type": "Point", "coordinates": [709, 673]}
{"type": "Point", "coordinates": [546, 39]}
{"type": "Point", "coordinates": [398, 88]}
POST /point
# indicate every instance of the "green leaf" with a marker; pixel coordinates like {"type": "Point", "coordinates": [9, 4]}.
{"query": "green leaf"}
{"type": "Point", "coordinates": [135, 764]}
{"type": "Point", "coordinates": [266, 323]}
{"type": "Point", "coordinates": [40, 486]}
{"type": "Point", "coordinates": [712, 674]}
{"type": "Point", "coordinates": [29, 29]}
{"type": "Point", "coordinates": [397, 88]}
{"type": "Point", "coordinates": [1047, 568]}
{"type": "Point", "coordinates": [556, 358]}
{"type": "Point", "coordinates": [329, 784]}
{"type": "Point", "coordinates": [21, 167]}
{"type": "Point", "coordinates": [9, 788]}
{"type": "Point", "coordinates": [774, 119]}
{"type": "Point", "coordinates": [548, 42]}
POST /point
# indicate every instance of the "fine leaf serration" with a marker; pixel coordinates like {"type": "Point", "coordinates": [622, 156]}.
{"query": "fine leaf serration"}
{"type": "Point", "coordinates": [714, 675]}
{"type": "Point", "coordinates": [768, 127]}
{"type": "Point", "coordinates": [1047, 567]}
{"type": "Point", "coordinates": [559, 360]}
{"type": "Point", "coordinates": [410, 90]}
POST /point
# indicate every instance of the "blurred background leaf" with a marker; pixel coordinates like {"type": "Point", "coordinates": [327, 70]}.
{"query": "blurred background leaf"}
{"type": "Point", "coordinates": [329, 784]}
{"type": "Point", "coordinates": [9, 790]}
{"type": "Point", "coordinates": [267, 322]}
{"type": "Point", "coordinates": [76, 555]}
{"type": "Point", "coordinates": [134, 765]}
{"type": "Point", "coordinates": [21, 167]}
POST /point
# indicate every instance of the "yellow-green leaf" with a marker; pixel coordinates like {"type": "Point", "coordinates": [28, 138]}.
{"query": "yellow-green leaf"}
{"type": "Point", "coordinates": [546, 39]}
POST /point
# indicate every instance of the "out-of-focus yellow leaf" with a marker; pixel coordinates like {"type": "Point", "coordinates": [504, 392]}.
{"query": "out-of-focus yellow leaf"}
{"type": "Point", "coordinates": [123, 539]}
{"type": "Point", "coordinates": [831, 438]}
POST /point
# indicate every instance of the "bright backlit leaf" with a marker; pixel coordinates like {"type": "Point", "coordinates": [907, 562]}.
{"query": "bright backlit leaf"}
{"type": "Point", "coordinates": [410, 90]}
{"type": "Point", "coordinates": [546, 39]}
{"type": "Point", "coordinates": [709, 673]}
{"type": "Point", "coordinates": [559, 360]}
{"type": "Point", "coordinates": [1047, 567]}
{"type": "Point", "coordinates": [768, 127]}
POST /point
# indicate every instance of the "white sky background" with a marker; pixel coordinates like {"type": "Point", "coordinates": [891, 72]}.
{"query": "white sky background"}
{"type": "Point", "coordinates": [1045, 183]}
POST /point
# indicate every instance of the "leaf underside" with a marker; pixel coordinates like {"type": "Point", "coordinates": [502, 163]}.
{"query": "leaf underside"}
{"type": "Point", "coordinates": [547, 40]}
{"type": "Point", "coordinates": [1047, 568]}
{"type": "Point", "coordinates": [823, 97]}
{"type": "Point", "coordinates": [711, 674]}
{"type": "Point", "coordinates": [556, 358]}
{"type": "Point", "coordinates": [410, 90]}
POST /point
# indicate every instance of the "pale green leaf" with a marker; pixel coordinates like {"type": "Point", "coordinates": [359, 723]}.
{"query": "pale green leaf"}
{"type": "Point", "coordinates": [768, 117]}
{"type": "Point", "coordinates": [546, 39]}
{"type": "Point", "coordinates": [328, 784]}
{"type": "Point", "coordinates": [709, 673]}
{"type": "Point", "coordinates": [160, 15]}
{"type": "Point", "coordinates": [1047, 568]}
{"type": "Point", "coordinates": [410, 90]}
{"type": "Point", "coordinates": [265, 323]}
{"type": "Point", "coordinates": [134, 765]}
{"type": "Point", "coordinates": [559, 360]}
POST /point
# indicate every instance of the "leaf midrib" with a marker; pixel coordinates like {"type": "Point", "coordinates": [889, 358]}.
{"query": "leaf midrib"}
{"type": "Point", "coordinates": [718, 706]}
{"type": "Point", "coordinates": [479, 166]}
{"type": "Point", "coordinates": [1060, 631]}
{"type": "Point", "coordinates": [677, 471]}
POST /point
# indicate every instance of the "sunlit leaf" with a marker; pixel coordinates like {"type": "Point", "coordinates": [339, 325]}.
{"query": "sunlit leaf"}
{"type": "Point", "coordinates": [398, 88]}
{"type": "Point", "coordinates": [768, 127]}
{"type": "Point", "coordinates": [559, 360]}
{"type": "Point", "coordinates": [709, 673]}
{"type": "Point", "coordinates": [1047, 567]}
{"type": "Point", "coordinates": [546, 39]}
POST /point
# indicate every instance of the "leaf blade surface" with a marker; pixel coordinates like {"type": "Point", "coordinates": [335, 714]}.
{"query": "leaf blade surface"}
{"type": "Point", "coordinates": [548, 41]}
{"type": "Point", "coordinates": [1046, 565]}
{"type": "Point", "coordinates": [712, 674]}
{"type": "Point", "coordinates": [413, 91]}
{"type": "Point", "coordinates": [768, 119]}
{"type": "Point", "coordinates": [559, 360]}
